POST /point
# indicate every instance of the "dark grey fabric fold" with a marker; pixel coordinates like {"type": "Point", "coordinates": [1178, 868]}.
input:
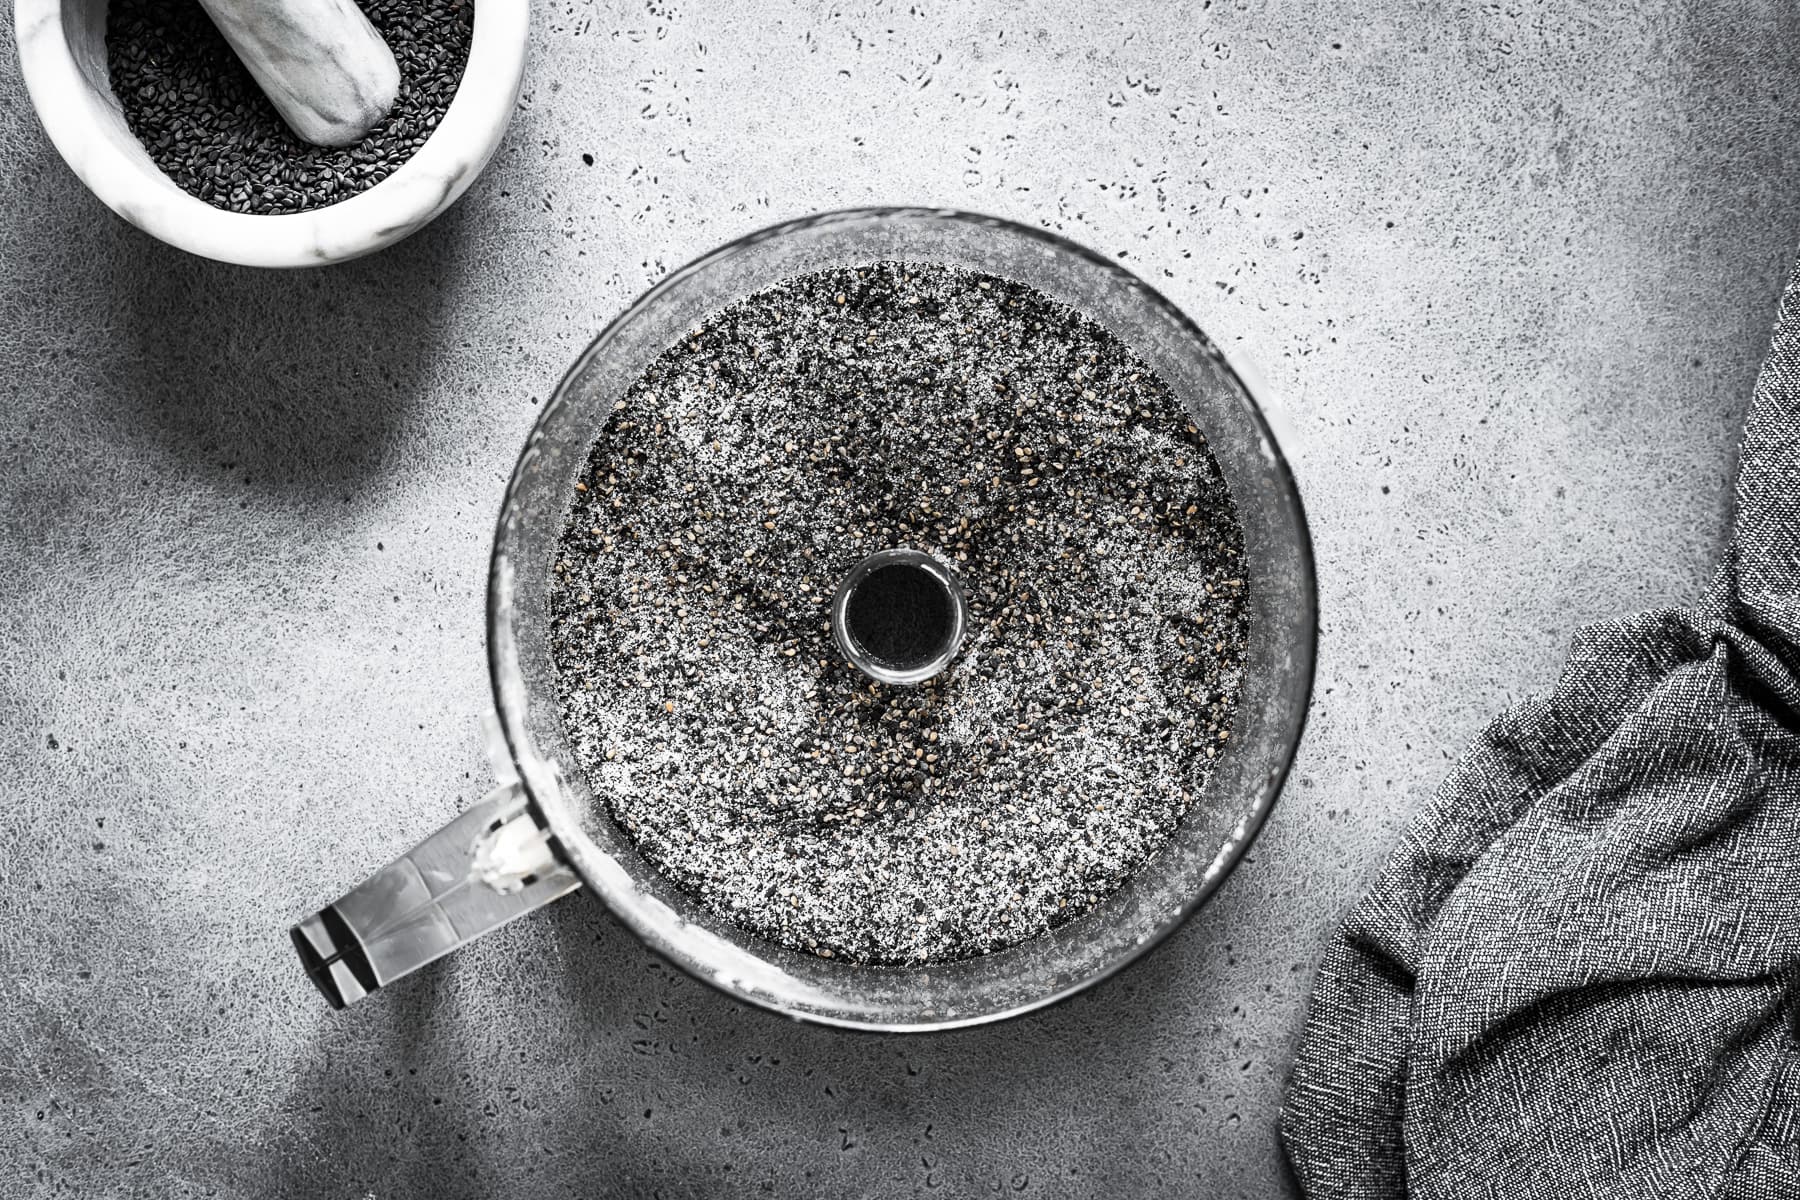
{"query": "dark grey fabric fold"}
{"type": "Point", "coordinates": [1578, 974]}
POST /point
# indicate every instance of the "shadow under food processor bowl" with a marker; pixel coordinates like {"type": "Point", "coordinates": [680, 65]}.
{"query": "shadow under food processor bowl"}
{"type": "Point", "coordinates": [62, 54]}
{"type": "Point", "coordinates": [543, 832]}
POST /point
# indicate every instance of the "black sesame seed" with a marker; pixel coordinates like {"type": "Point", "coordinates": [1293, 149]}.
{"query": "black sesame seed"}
{"type": "Point", "coordinates": [209, 128]}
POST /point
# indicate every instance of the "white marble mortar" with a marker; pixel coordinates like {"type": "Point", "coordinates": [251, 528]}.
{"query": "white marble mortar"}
{"type": "Point", "coordinates": [62, 55]}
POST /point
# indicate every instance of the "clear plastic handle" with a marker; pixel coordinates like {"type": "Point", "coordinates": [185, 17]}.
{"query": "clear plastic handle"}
{"type": "Point", "coordinates": [489, 865]}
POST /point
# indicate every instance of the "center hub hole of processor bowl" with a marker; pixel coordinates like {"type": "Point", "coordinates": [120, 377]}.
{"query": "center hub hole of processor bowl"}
{"type": "Point", "coordinates": [899, 616]}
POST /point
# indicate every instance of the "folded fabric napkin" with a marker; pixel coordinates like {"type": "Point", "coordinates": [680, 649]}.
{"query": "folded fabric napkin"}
{"type": "Point", "coordinates": [1578, 974]}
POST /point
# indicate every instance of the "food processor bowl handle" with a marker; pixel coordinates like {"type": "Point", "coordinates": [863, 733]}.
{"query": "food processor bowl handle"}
{"type": "Point", "coordinates": [493, 863]}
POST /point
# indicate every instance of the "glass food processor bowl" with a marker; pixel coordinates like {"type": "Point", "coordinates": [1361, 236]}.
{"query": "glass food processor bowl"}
{"type": "Point", "coordinates": [548, 833]}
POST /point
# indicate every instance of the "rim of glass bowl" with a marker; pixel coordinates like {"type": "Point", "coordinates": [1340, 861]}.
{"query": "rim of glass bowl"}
{"type": "Point", "coordinates": [542, 777]}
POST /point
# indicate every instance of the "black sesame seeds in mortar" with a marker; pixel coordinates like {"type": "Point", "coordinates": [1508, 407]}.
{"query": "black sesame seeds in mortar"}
{"type": "Point", "coordinates": [743, 476]}
{"type": "Point", "coordinates": [207, 126]}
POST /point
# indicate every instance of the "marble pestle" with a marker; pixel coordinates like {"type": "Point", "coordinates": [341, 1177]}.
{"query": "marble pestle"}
{"type": "Point", "coordinates": [326, 69]}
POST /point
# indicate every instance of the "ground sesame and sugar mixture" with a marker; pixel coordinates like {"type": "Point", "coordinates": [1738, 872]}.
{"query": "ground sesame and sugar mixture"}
{"type": "Point", "coordinates": [752, 466]}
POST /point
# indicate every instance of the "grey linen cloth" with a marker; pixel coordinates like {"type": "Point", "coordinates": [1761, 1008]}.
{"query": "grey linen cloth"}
{"type": "Point", "coordinates": [1578, 974]}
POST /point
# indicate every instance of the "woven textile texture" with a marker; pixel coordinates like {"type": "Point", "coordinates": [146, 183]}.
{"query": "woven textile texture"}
{"type": "Point", "coordinates": [1577, 976]}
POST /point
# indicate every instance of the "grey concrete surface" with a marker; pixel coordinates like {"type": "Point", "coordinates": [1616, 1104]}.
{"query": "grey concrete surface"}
{"type": "Point", "coordinates": [1511, 266]}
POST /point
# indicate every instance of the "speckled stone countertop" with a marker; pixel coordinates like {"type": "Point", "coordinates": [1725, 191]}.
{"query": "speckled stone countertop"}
{"type": "Point", "coordinates": [1513, 271]}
